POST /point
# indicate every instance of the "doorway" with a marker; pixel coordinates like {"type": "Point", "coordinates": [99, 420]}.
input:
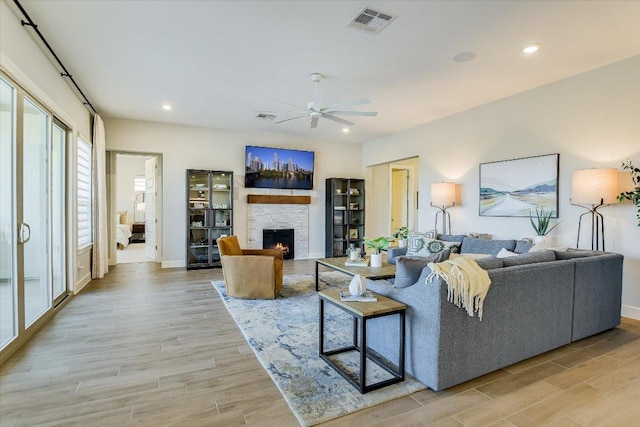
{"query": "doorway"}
{"type": "Point", "coordinates": [134, 182]}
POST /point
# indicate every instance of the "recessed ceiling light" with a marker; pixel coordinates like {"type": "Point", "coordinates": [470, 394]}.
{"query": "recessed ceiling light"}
{"type": "Point", "coordinates": [345, 130]}
{"type": "Point", "coordinates": [166, 107]}
{"type": "Point", "coordinates": [531, 48]}
{"type": "Point", "coordinates": [464, 56]}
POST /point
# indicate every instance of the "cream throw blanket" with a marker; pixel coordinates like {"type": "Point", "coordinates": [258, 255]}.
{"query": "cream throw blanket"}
{"type": "Point", "coordinates": [467, 283]}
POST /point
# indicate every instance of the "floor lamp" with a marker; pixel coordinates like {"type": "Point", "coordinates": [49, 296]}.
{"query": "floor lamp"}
{"type": "Point", "coordinates": [443, 196]}
{"type": "Point", "coordinates": [594, 188]}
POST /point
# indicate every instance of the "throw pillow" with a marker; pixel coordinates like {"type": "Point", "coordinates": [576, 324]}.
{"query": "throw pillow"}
{"type": "Point", "coordinates": [504, 253]}
{"type": "Point", "coordinates": [408, 269]}
{"type": "Point", "coordinates": [420, 245]}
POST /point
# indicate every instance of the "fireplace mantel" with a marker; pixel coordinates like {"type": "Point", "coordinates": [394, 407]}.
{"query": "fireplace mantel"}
{"type": "Point", "coordinates": [278, 199]}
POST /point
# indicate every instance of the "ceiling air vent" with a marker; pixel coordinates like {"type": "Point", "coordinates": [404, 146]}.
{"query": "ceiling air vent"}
{"type": "Point", "coordinates": [371, 21]}
{"type": "Point", "coordinates": [264, 116]}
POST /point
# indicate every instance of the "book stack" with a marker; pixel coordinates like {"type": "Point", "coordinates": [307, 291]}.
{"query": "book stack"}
{"type": "Point", "coordinates": [366, 297]}
{"type": "Point", "coordinates": [362, 262]}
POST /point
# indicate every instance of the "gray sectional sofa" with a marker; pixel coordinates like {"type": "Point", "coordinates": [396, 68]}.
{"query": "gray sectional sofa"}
{"type": "Point", "coordinates": [536, 302]}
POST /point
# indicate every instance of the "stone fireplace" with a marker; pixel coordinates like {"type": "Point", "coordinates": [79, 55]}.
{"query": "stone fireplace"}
{"type": "Point", "coordinates": [276, 217]}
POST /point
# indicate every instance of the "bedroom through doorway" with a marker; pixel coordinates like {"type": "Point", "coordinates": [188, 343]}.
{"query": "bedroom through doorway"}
{"type": "Point", "coordinates": [134, 203]}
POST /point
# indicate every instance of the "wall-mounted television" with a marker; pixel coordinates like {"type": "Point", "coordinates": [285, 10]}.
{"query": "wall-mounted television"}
{"type": "Point", "coordinates": [282, 168]}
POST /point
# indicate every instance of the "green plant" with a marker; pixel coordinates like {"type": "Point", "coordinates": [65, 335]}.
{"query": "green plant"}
{"type": "Point", "coordinates": [401, 233]}
{"type": "Point", "coordinates": [634, 195]}
{"type": "Point", "coordinates": [378, 244]}
{"type": "Point", "coordinates": [542, 222]}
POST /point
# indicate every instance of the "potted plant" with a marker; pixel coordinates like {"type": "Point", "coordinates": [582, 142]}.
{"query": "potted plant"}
{"type": "Point", "coordinates": [541, 224]}
{"type": "Point", "coordinates": [634, 195]}
{"type": "Point", "coordinates": [401, 234]}
{"type": "Point", "coordinates": [378, 244]}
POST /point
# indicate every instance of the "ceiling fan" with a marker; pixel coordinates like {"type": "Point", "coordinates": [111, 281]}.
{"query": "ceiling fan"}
{"type": "Point", "coordinates": [315, 111]}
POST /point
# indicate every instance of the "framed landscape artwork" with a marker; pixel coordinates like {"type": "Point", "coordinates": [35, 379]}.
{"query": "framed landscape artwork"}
{"type": "Point", "coordinates": [515, 188]}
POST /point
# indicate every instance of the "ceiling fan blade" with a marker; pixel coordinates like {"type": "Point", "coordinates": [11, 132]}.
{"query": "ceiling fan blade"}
{"type": "Point", "coordinates": [345, 104]}
{"type": "Point", "coordinates": [292, 118]}
{"type": "Point", "coordinates": [337, 119]}
{"type": "Point", "coordinates": [355, 113]}
{"type": "Point", "coordinates": [290, 105]}
{"type": "Point", "coordinates": [314, 122]}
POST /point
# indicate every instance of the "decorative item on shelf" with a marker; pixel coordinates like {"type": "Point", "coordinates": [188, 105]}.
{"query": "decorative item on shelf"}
{"type": "Point", "coordinates": [353, 233]}
{"type": "Point", "coordinates": [357, 286]}
{"type": "Point", "coordinates": [354, 253]}
{"type": "Point", "coordinates": [401, 235]}
{"type": "Point", "coordinates": [595, 188]}
{"type": "Point", "coordinates": [220, 187]}
{"type": "Point", "coordinates": [541, 224]}
{"type": "Point", "coordinates": [196, 223]}
{"type": "Point", "coordinates": [354, 192]}
{"type": "Point", "coordinates": [354, 206]}
{"type": "Point", "coordinates": [443, 196]}
{"type": "Point", "coordinates": [634, 194]}
{"type": "Point", "coordinates": [198, 205]}
{"type": "Point", "coordinates": [378, 244]}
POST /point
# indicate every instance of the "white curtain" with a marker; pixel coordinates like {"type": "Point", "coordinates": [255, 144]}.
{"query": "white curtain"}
{"type": "Point", "coordinates": [100, 264]}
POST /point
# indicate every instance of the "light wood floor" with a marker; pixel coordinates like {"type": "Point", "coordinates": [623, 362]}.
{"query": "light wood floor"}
{"type": "Point", "coordinates": [156, 347]}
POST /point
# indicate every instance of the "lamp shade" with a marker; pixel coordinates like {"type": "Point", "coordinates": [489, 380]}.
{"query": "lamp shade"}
{"type": "Point", "coordinates": [443, 194]}
{"type": "Point", "coordinates": [593, 186]}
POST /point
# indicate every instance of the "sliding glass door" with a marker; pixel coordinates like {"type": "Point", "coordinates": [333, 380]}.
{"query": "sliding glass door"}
{"type": "Point", "coordinates": [34, 227]}
{"type": "Point", "coordinates": [32, 216]}
{"type": "Point", "coordinates": [8, 284]}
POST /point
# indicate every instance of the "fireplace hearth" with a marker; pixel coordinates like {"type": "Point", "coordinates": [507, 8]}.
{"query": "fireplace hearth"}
{"type": "Point", "coordinates": [279, 239]}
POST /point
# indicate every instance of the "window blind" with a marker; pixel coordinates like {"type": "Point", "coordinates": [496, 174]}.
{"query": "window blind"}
{"type": "Point", "coordinates": [84, 195]}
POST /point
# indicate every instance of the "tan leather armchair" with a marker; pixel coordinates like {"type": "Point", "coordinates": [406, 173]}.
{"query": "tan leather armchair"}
{"type": "Point", "coordinates": [250, 273]}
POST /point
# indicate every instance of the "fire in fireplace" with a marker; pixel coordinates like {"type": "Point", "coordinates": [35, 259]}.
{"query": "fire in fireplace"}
{"type": "Point", "coordinates": [279, 239]}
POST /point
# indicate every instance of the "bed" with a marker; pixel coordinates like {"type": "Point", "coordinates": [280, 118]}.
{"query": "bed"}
{"type": "Point", "coordinates": [123, 230]}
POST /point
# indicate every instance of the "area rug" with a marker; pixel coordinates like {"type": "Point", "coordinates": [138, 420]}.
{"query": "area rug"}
{"type": "Point", "coordinates": [283, 333]}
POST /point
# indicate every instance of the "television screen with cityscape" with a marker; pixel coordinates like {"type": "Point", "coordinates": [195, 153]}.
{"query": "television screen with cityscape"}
{"type": "Point", "coordinates": [278, 168]}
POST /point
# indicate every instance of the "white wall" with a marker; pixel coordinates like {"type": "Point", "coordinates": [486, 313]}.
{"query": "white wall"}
{"type": "Point", "coordinates": [189, 147]}
{"type": "Point", "coordinates": [128, 167]}
{"type": "Point", "coordinates": [592, 120]}
{"type": "Point", "coordinates": [23, 60]}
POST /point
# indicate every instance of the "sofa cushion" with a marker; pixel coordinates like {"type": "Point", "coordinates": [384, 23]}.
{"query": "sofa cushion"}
{"type": "Point", "coordinates": [490, 263]}
{"type": "Point", "coordinates": [483, 246]}
{"type": "Point", "coordinates": [529, 258]}
{"type": "Point", "coordinates": [523, 246]}
{"type": "Point", "coordinates": [451, 237]}
{"type": "Point", "coordinates": [408, 269]}
{"type": "Point", "coordinates": [420, 245]}
{"type": "Point", "coordinates": [576, 253]}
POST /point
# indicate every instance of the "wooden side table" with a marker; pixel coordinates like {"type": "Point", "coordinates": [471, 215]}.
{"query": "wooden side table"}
{"type": "Point", "coordinates": [362, 312]}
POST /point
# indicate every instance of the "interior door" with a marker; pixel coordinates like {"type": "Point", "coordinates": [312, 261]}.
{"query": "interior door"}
{"type": "Point", "coordinates": [399, 199]}
{"type": "Point", "coordinates": [150, 208]}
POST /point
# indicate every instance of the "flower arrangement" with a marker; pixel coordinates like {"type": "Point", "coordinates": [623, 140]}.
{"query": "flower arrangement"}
{"type": "Point", "coordinates": [542, 222]}
{"type": "Point", "coordinates": [634, 195]}
{"type": "Point", "coordinates": [378, 244]}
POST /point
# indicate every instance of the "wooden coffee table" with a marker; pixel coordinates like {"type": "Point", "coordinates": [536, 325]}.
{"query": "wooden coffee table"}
{"type": "Point", "coordinates": [387, 271]}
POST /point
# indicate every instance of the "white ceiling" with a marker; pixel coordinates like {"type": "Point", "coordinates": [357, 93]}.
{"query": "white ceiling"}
{"type": "Point", "coordinates": [218, 63]}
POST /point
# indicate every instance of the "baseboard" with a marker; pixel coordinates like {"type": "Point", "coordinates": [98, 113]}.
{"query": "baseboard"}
{"type": "Point", "coordinates": [82, 282]}
{"type": "Point", "coordinates": [174, 264]}
{"type": "Point", "coordinates": [316, 255]}
{"type": "Point", "coordinates": [631, 312]}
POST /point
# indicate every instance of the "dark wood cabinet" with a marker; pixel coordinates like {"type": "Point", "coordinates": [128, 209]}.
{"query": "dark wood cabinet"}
{"type": "Point", "coordinates": [344, 220]}
{"type": "Point", "coordinates": [209, 215]}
